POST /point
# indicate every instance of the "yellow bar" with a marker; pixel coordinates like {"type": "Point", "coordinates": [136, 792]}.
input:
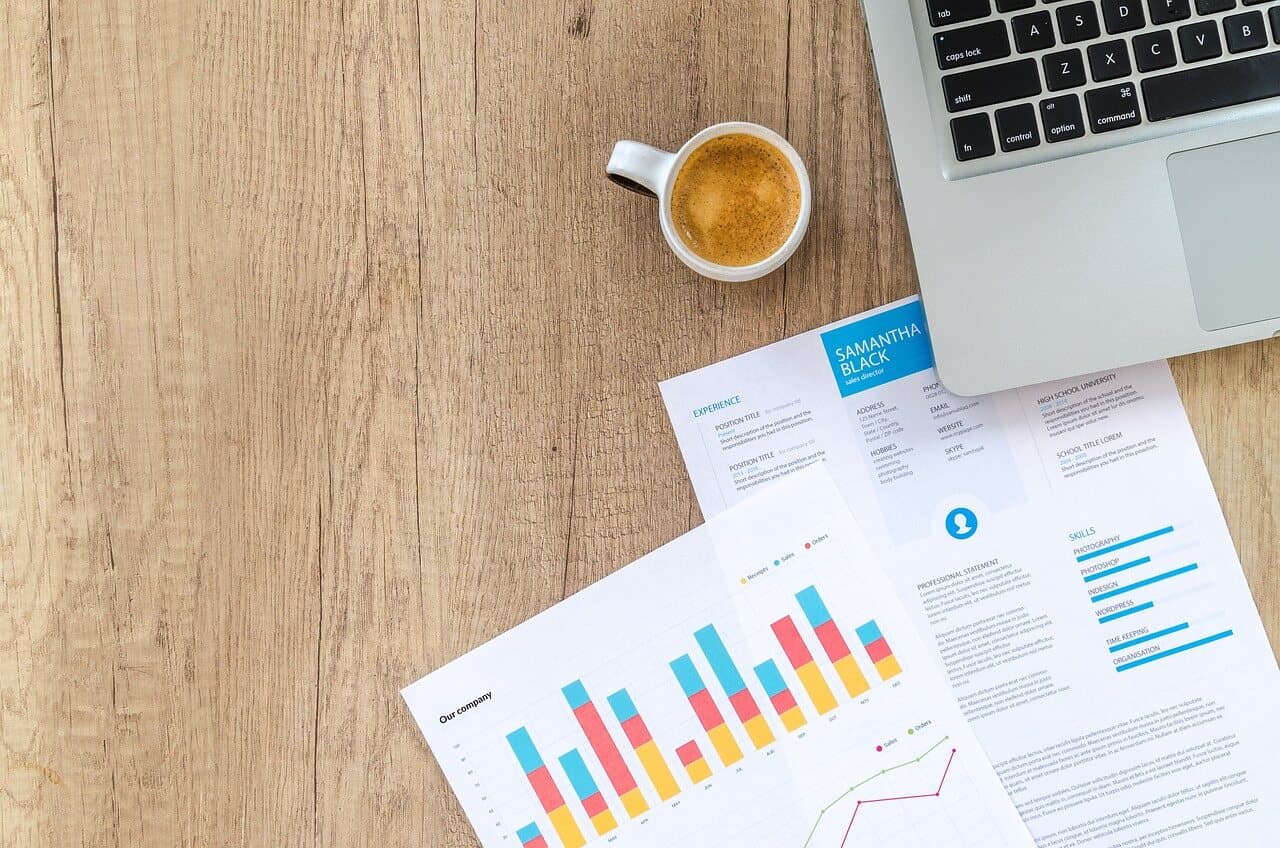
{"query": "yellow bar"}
{"type": "Point", "coordinates": [758, 730]}
{"type": "Point", "coordinates": [726, 746]}
{"type": "Point", "coordinates": [854, 680]}
{"type": "Point", "coordinates": [816, 685]}
{"type": "Point", "coordinates": [793, 719]}
{"type": "Point", "coordinates": [604, 822]}
{"type": "Point", "coordinates": [633, 802]}
{"type": "Point", "coordinates": [656, 767]}
{"type": "Point", "coordinates": [888, 667]}
{"type": "Point", "coordinates": [698, 770]}
{"type": "Point", "coordinates": [567, 828]}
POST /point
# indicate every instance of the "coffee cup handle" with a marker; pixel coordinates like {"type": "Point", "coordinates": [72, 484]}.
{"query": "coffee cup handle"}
{"type": "Point", "coordinates": [639, 167]}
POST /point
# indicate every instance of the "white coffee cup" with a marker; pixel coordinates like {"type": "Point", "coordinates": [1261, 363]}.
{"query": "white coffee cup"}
{"type": "Point", "coordinates": [650, 171]}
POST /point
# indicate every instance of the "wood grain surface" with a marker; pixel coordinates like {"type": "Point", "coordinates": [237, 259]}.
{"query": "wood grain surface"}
{"type": "Point", "coordinates": [328, 353]}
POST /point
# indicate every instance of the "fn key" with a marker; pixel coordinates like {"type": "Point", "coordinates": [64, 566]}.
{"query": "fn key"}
{"type": "Point", "coordinates": [972, 136]}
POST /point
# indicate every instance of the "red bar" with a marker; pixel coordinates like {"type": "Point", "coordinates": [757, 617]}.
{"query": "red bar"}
{"type": "Point", "coordinates": [606, 749]}
{"type": "Point", "coordinates": [783, 701]}
{"type": "Point", "coordinates": [636, 731]}
{"type": "Point", "coordinates": [706, 710]}
{"type": "Point", "coordinates": [595, 805]}
{"type": "Point", "coordinates": [689, 753]}
{"type": "Point", "coordinates": [832, 641]}
{"type": "Point", "coordinates": [744, 705]}
{"type": "Point", "coordinates": [878, 650]}
{"type": "Point", "coordinates": [545, 788]}
{"type": "Point", "coordinates": [793, 646]}
{"type": "Point", "coordinates": [539, 841]}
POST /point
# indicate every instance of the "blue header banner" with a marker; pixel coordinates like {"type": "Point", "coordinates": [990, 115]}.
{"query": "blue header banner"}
{"type": "Point", "coordinates": [880, 349]}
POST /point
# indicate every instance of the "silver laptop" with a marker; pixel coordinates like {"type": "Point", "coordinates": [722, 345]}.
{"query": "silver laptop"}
{"type": "Point", "coordinates": [1088, 183]}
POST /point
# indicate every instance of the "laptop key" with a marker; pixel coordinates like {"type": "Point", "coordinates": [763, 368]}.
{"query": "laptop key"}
{"type": "Point", "coordinates": [990, 85]}
{"type": "Point", "coordinates": [1168, 11]}
{"type": "Point", "coordinates": [1123, 15]}
{"type": "Point", "coordinates": [972, 137]}
{"type": "Point", "coordinates": [1109, 60]}
{"type": "Point", "coordinates": [1113, 108]}
{"type": "Point", "coordinates": [1209, 87]}
{"type": "Point", "coordinates": [945, 12]}
{"type": "Point", "coordinates": [1078, 22]}
{"type": "Point", "coordinates": [1154, 51]}
{"type": "Point", "coordinates": [1275, 23]}
{"type": "Point", "coordinates": [1245, 32]}
{"type": "Point", "coordinates": [1064, 70]}
{"type": "Point", "coordinates": [1061, 117]}
{"type": "Point", "coordinates": [1200, 41]}
{"type": "Point", "coordinates": [1013, 5]}
{"type": "Point", "coordinates": [1017, 128]}
{"type": "Point", "coordinates": [1033, 32]}
{"type": "Point", "coordinates": [1208, 7]}
{"type": "Point", "coordinates": [972, 44]}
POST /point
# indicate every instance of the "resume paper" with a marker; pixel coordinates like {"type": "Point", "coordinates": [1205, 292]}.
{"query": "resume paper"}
{"type": "Point", "coordinates": [1061, 548]}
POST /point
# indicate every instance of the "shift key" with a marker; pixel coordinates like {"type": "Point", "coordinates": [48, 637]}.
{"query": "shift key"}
{"type": "Point", "coordinates": [987, 86]}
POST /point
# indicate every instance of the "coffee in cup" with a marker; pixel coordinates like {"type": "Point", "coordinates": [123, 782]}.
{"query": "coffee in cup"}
{"type": "Point", "coordinates": [733, 201]}
{"type": "Point", "coordinates": [736, 199]}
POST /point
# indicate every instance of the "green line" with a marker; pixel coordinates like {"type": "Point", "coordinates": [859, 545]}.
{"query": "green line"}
{"type": "Point", "coordinates": [880, 773]}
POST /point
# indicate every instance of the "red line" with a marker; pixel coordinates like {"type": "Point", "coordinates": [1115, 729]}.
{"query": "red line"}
{"type": "Point", "coordinates": [933, 794]}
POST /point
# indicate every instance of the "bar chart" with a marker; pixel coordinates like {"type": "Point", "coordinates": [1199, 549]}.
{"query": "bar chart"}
{"type": "Point", "coordinates": [633, 792]}
{"type": "Point", "coordinates": [720, 692]}
{"type": "Point", "coordinates": [545, 788]}
{"type": "Point", "coordinates": [1139, 583]}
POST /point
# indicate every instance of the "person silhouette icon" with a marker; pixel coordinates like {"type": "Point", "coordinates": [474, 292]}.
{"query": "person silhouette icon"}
{"type": "Point", "coordinates": [961, 523]}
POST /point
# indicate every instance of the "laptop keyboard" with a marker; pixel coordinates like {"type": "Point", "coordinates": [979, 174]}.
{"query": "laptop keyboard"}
{"type": "Point", "coordinates": [1049, 78]}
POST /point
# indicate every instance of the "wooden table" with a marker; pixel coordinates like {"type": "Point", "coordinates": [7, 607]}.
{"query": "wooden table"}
{"type": "Point", "coordinates": [328, 354]}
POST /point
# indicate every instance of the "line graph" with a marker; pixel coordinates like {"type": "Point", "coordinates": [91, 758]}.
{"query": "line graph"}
{"type": "Point", "coordinates": [863, 801]}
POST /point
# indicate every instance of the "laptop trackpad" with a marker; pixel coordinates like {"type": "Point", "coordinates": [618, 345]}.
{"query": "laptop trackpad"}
{"type": "Point", "coordinates": [1227, 198]}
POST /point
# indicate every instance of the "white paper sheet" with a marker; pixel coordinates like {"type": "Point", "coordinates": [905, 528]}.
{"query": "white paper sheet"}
{"type": "Point", "coordinates": [1063, 548]}
{"type": "Point", "coordinates": [769, 639]}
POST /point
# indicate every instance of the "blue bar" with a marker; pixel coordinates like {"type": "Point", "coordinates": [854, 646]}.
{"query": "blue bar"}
{"type": "Point", "coordinates": [622, 705]}
{"type": "Point", "coordinates": [1098, 575]}
{"type": "Point", "coordinates": [1196, 644]}
{"type": "Point", "coordinates": [584, 785]}
{"type": "Point", "coordinates": [869, 632]}
{"type": "Point", "coordinates": [722, 665]}
{"type": "Point", "coordinates": [526, 753]}
{"type": "Point", "coordinates": [1110, 549]}
{"type": "Point", "coordinates": [528, 833]}
{"type": "Point", "coordinates": [687, 674]}
{"type": "Point", "coordinates": [1176, 628]}
{"type": "Point", "coordinates": [813, 607]}
{"type": "Point", "coordinates": [1177, 571]}
{"type": "Point", "coordinates": [770, 678]}
{"type": "Point", "coordinates": [576, 694]}
{"type": "Point", "coordinates": [1130, 611]}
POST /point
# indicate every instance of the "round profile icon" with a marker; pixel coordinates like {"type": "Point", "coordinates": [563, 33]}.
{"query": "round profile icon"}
{"type": "Point", "coordinates": [961, 523]}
